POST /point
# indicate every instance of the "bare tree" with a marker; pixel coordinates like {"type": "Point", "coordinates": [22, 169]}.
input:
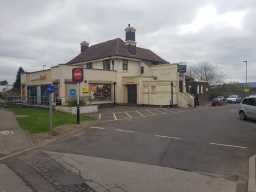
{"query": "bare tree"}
{"type": "Point", "coordinates": [206, 72]}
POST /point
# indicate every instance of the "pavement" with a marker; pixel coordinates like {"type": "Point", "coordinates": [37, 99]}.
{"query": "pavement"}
{"type": "Point", "coordinates": [12, 137]}
{"type": "Point", "coordinates": [8, 178]}
{"type": "Point", "coordinates": [204, 149]}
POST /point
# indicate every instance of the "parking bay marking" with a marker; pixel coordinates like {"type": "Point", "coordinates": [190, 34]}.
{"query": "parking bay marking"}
{"type": "Point", "coordinates": [114, 116]}
{"type": "Point", "coordinates": [124, 131]}
{"type": "Point", "coordinates": [226, 145]}
{"type": "Point", "coordinates": [141, 114]}
{"type": "Point", "coordinates": [128, 115]}
{"type": "Point", "coordinates": [168, 137]}
{"type": "Point", "coordinates": [94, 127]}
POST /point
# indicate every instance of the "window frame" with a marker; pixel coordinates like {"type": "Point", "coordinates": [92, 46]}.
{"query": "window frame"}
{"type": "Point", "coordinates": [142, 70]}
{"type": "Point", "coordinates": [125, 65]}
{"type": "Point", "coordinates": [88, 65]}
{"type": "Point", "coordinates": [107, 65]}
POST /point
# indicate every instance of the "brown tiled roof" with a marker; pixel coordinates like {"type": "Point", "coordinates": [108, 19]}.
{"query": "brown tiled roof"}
{"type": "Point", "coordinates": [115, 47]}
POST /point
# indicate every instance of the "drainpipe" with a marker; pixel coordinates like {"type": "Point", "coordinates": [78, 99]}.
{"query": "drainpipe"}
{"type": "Point", "coordinates": [114, 92]}
{"type": "Point", "coordinates": [171, 94]}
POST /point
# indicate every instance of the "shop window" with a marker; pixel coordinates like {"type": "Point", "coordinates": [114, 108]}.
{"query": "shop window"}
{"type": "Point", "coordinates": [106, 65]}
{"type": "Point", "coordinates": [100, 92]}
{"type": "Point", "coordinates": [88, 65]}
{"type": "Point", "coordinates": [125, 65]}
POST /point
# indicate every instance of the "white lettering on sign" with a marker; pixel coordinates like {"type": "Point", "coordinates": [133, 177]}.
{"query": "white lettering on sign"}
{"type": "Point", "coordinates": [38, 76]}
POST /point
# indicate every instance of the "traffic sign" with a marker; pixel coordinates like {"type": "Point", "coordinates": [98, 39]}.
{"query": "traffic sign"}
{"type": "Point", "coordinates": [77, 75]}
{"type": "Point", "coordinates": [72, 92]}
{"type": "Point", "coordinates": [182, 68]}
{"type": "Point", "coordinates": [50, 88]}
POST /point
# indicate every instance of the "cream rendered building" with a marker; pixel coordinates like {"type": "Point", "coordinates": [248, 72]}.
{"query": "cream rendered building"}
{"type": "Point", "coordinates": [114, 72]}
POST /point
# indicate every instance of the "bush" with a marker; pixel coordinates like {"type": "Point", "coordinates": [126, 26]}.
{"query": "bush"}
{"type": "Point", "coordinates": [72, 102]}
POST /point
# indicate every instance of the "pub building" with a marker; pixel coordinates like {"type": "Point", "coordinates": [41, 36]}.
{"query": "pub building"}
{"type": "Point", "coordinates": [114, 71]}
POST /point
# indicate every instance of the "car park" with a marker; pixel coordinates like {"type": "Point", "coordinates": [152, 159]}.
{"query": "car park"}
{"type": "Point", "coordinates": [233, 99]}
{"type": "Point", "coordinates": [247, 109]}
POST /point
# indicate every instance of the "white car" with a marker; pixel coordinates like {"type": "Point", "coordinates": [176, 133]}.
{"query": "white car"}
{"type": "Point", "coordinates": [247, 108]}
{"type": "Point", "coordinates": [233, 99]}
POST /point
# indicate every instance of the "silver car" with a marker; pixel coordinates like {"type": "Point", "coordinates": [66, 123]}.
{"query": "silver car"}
{"type": "Point", "coordinates": [247, 108]}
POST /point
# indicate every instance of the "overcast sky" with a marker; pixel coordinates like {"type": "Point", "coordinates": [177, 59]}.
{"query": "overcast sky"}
{"type": "Point", "coordinates": [222, 32]}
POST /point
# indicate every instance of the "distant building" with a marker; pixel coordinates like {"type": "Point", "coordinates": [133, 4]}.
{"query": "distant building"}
{"type": "Point", "coordinates": [196, 87]}
{"type": "Point", "coordinates": [115, 71]}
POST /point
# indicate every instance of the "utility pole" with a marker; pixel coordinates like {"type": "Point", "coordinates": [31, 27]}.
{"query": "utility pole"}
{"type": "Point", "coordinates": [246, 82]}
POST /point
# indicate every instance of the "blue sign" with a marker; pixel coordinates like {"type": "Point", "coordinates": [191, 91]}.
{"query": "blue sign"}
{"type": "Point", "coordinates": [51, 88]}
{"type": "Point", "coordinates": [72, 92]}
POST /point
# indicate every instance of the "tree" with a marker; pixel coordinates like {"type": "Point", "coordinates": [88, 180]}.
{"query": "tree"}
{"type": "Point", "coordinates": [206, 72]}
{"type": "Point", "coordinates": [4, 82]}
{"type": "Point", "coordinates": [16, 85]}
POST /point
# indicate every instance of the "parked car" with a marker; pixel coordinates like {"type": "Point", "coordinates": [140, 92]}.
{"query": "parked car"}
{"type": "Point", "coordinates": [247, 108]}
{"type": "Point", "coordinates": [234, 99]}
{"type": "Point", "coordinates": [217, 101]}
{"type": "Point", "coordinates": [220, 98]}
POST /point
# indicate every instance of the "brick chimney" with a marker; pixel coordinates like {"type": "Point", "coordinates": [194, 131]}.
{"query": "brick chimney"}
{"type": "Point", "coordinates": [84, 46]}
{"type": "Point", "coordinates": [130, 41]}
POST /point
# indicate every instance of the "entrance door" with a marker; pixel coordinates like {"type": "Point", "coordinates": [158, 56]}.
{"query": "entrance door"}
{"type": "Point", "coordinates": [132, 94]}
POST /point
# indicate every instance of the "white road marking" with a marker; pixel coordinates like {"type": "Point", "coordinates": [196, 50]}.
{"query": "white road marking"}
{"type": "Point", "coordinates": [140, 113]}
{"type": "Point", "coordinates": [160, 111]}
{"type": "Point", "coordinates": [150, 112]}
{"type": "Point", "coordinates": [101, 128]}
{"type": "Point", "coordinates": [6, 132]}
{"type": "Point", "coordinates": [124, 131]}
{"type": "Point", "coordinates": [168, 137]}
{"type": "Point", "coordinates": [114, 116]}
{"type": "Point", "coordinates": [128, 115]}
{"type": "Point", "coordinates": [225, 145]}
{"type": "Point", "coordinates": [99, 116]}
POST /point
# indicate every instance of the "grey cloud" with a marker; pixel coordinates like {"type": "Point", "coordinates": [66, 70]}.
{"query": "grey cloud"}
{"type": "Point", "coordinates": [48, 32]}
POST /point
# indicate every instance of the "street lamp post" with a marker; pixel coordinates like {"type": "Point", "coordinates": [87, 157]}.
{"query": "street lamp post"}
{"type": "Point", "coordinates": [246, 82]}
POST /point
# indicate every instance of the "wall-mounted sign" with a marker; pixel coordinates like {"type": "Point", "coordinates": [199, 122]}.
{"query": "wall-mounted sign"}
{"type": "Point", "coordinates": [72, 92]}
{"type": "Point", "coordinates": [38, 76]}
{"type": "Point", "coordinates": [182, 68]}
{"type": "Point", "coordinates": [85, 89]}
{"type": "Point", "coordinates": [78, 75]}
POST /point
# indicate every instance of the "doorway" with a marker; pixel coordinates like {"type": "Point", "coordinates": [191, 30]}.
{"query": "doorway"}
{"type": "Point", "coordinates": [132, 94]}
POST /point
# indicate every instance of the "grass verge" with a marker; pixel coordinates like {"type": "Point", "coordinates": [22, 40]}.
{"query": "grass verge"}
{"type": "Point", "coordinates": [36, 120]}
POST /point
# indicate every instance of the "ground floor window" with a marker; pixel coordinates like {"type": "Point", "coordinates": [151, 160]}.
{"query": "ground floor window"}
{"type": "Point", "coordinates": [100, 91]}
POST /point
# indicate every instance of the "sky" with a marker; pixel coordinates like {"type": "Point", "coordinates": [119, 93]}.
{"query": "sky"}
{"type": "Point", "coordinates": [34, 33]}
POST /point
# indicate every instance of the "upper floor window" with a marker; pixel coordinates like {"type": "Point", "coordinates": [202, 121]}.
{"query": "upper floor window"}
{"type": "Point", "coordinates": [106, 65]}
{"type": "Point", "coordinates": [141, 70]}
{"type": "Point", "coordinates": [88, 65]}
{"type": "Point", "coordinates": [113, 65]}
{"type": "Point", "coordinates": [125, 65]}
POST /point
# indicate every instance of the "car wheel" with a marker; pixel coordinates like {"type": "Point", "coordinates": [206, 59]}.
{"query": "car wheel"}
{"type": "Point", "coordinates": [242, 115]}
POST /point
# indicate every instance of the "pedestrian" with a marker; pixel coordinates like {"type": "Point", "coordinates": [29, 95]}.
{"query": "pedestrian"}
{"type": "Point", "coordinates": [196, 100]}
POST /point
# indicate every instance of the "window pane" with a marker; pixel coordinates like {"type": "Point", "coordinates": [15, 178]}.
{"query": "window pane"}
{"type": "Point", "coordinates": [106, 65]}
{"type": "Point", "coordinates": [141, 70]}
{"type": "Point", "coordinates": [125, 65]}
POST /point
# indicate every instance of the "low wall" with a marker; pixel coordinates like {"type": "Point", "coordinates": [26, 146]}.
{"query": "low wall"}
{"type": "Point", "coordinates": [83, 109]}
